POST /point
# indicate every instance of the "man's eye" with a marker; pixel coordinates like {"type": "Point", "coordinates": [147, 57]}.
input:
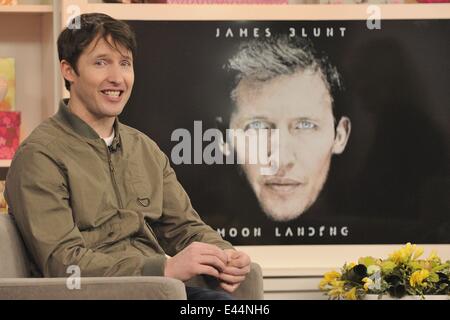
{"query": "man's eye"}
{"type": "Point", "coordinates": [100, 63]}
{"type": "Point", "coordinates": [257, 125]}
{"type": "Point", "coordinates": [126, 63]}
{"type": "Point", "coordinates": [305, 124]}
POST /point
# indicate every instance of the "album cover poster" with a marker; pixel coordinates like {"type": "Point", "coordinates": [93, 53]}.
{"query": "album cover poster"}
{"type": "Point", "coordinates": [352, 121]}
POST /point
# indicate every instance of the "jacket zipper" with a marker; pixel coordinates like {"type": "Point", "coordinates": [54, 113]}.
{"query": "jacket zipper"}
{"type": "Point", "coordinates": [113, 177]}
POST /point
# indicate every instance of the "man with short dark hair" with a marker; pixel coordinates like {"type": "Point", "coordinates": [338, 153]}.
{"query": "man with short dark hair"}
{"type": "Point", "coordinates": [86, 190]}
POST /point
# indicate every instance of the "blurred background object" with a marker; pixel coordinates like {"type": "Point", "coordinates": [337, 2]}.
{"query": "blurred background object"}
{"type": "Point", "coordinates": [7, 2]}
{"type": "Point", "coordinates": [9, 133]}
{"type": "Point", "coordinates": [7, 84]}
{"type": "Point", "coordinates": [135, 1]}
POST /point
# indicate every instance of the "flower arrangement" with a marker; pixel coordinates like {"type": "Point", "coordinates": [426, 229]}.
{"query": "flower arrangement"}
{"type": "Point", "coordinates": [403, 273]}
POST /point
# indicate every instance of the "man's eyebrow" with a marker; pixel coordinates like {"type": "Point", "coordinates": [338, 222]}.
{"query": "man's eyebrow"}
{"type": "Point", "coordinates": [105, 55]}
{"type": "Point", "coordinates": [256, 118]}
{"type": "Point", "coordinates": [307, 117]}
{"type": "Point", "coordinates": [101, 55]}
{"type": "Point", "coordinates": [126, 57]}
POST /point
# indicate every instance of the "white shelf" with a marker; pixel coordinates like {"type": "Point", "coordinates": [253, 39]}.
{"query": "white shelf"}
{"type": "Point", "coordinates": [26, 8]}
{"type": "Point", "coordinates": [5, 163]}
{"type": "Point", "coordinates": [315, 260]}
{"type": "Point", "coordinates": [247, 12]}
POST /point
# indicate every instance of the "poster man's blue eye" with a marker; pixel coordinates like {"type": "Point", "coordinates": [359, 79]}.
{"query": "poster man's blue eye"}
{"type": "Point", "coordinates": [305, 124]}
{"type": "Point", "coordinates": [257, 125]}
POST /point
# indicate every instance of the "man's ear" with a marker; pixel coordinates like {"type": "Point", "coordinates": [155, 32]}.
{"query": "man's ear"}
{"type": "Point", "coordinates": [342, 134]}
{"type": "Point", "coordinates": [67, 71]}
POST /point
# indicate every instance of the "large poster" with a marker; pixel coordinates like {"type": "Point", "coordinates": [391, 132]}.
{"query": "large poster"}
{"type": "Point", "coordinates": [353, 124]}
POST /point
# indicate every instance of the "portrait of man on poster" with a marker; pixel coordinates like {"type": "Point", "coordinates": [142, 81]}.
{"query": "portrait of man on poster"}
{"type": "Point", "coordinates": [281, 83]}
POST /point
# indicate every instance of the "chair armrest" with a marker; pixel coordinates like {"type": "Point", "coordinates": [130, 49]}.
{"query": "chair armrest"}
{"type": "Point", "coordinates": [250, 289]}
{"type": "Point", "coordinates": [95, 288]}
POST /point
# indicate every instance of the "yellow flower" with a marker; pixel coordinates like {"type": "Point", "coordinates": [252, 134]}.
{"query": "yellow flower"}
{"type": "Point", "coordinates": [367, 283]}
{"type": "Point", "coordinates": [337, 288]}
{"type": "Point", "coordinates": [351, 295]}
{"type": "Point", "coordinates": [332, 275]}
{"type": "Point", "coordinates": [398, 256]}
{"type": "Point", "coordinates": [418, 252]}
{"type": "Point", "coordinates": [335, 293]}
{"type": "Point", "coordinates": [406, 253]}
{"type": "Point", "coordinates": [349, 266]}
{"type": "Point", "coordinates": [417, 278]}
{"type": "Point", "coordinates": [337, 283]}
{"type": "Point", "coordinates": [434, 257]}
{"type": "Point", "coordinates": [328, 278]}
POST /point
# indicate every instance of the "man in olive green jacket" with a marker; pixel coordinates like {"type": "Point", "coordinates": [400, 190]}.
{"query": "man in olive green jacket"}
{"type": "Point", "coordinates": [89, 191]}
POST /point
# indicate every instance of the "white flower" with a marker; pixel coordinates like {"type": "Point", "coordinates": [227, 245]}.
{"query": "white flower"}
{"type": "Point", "coordinates": [372, 269]}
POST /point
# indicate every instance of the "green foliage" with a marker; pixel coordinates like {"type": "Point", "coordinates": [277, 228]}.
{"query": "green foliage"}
{"type": "Point", "coordinates": [402, 273]}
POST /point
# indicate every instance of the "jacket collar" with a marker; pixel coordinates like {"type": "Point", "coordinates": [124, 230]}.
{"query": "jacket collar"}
{"type": "Point", "coordinates": [82, 128]}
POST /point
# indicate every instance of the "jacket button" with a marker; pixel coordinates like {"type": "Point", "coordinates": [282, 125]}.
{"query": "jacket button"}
{"type": "Point", "coordinates": [145, 202]}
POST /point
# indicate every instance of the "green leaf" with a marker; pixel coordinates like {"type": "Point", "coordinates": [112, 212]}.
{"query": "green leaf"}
{"type": "Point", "coordinates": [415, 265]}
{"type": "Point", "coordinates": [387, 266]}
{"type": "Point", "coordinates": [440, 267]}
{"type": "Point", "coordinates": [433, 277]}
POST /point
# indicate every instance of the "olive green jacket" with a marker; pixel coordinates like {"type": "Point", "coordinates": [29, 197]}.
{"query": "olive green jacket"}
{"type": "Point", "coordinates": [111, 211]}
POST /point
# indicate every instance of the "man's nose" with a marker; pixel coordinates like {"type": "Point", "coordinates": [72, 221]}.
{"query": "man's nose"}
{"type": "Point", "coordinates": [115, 75]}
{"type": "Point", "coordinates": [287, 151]}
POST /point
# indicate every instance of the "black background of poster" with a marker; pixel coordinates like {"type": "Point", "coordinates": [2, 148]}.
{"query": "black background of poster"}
{"type": "Point", "coordinates": [391, 185]}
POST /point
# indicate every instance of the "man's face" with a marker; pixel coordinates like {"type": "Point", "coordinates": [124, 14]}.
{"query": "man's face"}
{"type": "Point", "coordinates": [300, 107]}
{"type": "Point", "coordinates": [104, 81]}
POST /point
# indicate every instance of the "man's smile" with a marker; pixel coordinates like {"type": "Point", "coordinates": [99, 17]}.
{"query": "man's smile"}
{"type": "Point", "coordinates": [112, 95]}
